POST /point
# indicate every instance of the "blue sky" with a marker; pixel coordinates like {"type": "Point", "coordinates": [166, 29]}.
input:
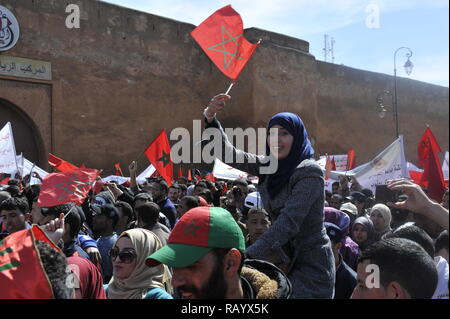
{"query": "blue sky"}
{"type": "Point", "coordinates": [421, 25]}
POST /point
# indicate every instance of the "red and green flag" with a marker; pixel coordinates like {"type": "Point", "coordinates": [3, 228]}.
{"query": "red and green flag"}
{"type": "Point", "coordinates": [427, 144]}
{"type": "Point", "coordinates": [70, 186]}
{"type": "Point", "coordinates": [432, 175]}
{"type": "Point", "coordinates": [158, 153]}
{"type": "Point", "coordinates": [221, 36]}
{"type": "Point", "coordinates": [22, 275]}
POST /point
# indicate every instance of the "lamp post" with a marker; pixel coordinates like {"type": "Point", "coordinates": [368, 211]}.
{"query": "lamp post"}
{"type": "Point", "coordinates": [383, 110]}
{"type": "Point", "coordinates": [408, 69]}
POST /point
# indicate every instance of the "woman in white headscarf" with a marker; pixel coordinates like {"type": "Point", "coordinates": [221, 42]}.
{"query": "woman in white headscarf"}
{"type": "Point", "coordinates": [132, 279]}
{"type": "Point", "coordinates": [381, 218]}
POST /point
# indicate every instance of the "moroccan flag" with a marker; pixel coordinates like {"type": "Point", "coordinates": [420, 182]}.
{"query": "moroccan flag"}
{"type": "Point", "coordinates": [427, 142]}
{"type": "Point", "coordinates": [221, 36]}
{"type": "Point", "coordinates": [60, 164]}
{"type": "Point", "coordinates": [350, 160]}
{"type": "Point", "coordinates": [180, 172]}
{"type": "Point", "coordinates": [71, 186]}
{"type": "Point", "coordinates": [158, 153]}
{"type": "Point", "coordinates": [118, 169]}
{"type": "Point", "coordinates": [189, 177]}
{"type": "Point", "coordinates": [22, 275]}
{"type": "Point", "coordinates": [432, 174]}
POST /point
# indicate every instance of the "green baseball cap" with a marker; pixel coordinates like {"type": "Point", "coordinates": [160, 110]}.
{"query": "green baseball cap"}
{"type": "Point", "coordinates": [199, 231]}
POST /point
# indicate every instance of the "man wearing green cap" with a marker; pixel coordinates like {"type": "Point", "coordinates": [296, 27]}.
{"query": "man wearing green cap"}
{"type": "Point", "coordinates": [205, 250]}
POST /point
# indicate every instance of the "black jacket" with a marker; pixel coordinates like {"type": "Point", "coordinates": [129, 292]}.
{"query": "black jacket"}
{"type": "Point", "coordinates": [263, 280]}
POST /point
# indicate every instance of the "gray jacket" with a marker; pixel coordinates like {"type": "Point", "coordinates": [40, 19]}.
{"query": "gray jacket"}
{"type": "Point", "coordinates": [297, 236]}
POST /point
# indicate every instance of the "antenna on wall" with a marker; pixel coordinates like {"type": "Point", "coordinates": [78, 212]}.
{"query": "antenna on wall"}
{"type": "Point", "coordinates": [328, 47]}
{"type": "Point", "coordinates": [325, 47]}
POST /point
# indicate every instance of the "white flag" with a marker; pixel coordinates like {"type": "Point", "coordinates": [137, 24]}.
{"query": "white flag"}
{"type": "Point", "coordinates": [224, 171]}
{"type": "Point", "coordinates": [387, 165]}
{"type": "Point", "coordinates": [8, 162]}
{"type": "Point", "coordinates": [445, 166]}
{"type": "Point", "coordinates": [26, 167]}
{"type": "Point", "coordinates": [141, 179]}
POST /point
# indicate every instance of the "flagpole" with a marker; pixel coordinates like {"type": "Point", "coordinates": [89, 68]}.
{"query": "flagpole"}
{"type": "Point", "coordinates": [70, 210]}
{"type": "Point", "coordinates": [229, 88]}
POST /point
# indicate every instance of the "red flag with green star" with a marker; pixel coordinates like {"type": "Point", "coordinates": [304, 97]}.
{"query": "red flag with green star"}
{"type": "Point", "coordinates": [22, 275]}
{"type": "Point", "coordinates": [221, 36]}
{"type": "Point", "coordinates": [158, 153]}
{"type": "Point", "coordinates": [70, 186]}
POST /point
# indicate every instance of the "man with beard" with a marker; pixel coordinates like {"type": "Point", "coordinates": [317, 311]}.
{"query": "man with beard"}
{"type": "Point", "coordinates": [205, 250]}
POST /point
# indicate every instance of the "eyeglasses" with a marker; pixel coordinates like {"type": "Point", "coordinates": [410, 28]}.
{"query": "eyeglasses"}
{"type": "Point", "coordinates": [127, 256]}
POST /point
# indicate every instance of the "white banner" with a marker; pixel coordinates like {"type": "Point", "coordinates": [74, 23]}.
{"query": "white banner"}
{"type": "Point", "coordinates": [8, 163]}
{"type": "Point", "coordinates": [387, 165]}
{"type": "Point", "coordinates": [445, 166]}
{"type": "Point", "coordinates": [339, 160]}
{"type": "Point", "coordinates": [224, 171]}
{"type": "Point", "coordinates": [26, 167]}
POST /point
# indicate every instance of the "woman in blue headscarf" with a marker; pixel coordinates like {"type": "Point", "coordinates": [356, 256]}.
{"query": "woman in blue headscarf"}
{"type": "Point", "coordinates": [292, 192]}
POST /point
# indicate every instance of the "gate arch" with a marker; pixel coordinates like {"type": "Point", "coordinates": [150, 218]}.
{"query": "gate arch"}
{"type": "Point", "coordinates": [27, 138]}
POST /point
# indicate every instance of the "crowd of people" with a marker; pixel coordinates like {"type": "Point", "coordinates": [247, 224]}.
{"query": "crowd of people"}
{"type": "Point", "coordinates": [285, 238]}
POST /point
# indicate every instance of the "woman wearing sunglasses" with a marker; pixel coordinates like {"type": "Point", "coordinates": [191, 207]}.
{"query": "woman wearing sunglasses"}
{"type": "Point", "coordinates": [132, 279]}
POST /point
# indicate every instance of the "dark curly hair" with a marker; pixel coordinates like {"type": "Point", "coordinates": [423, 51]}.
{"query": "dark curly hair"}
{"type": "Point", "coordinates": [55, 266]}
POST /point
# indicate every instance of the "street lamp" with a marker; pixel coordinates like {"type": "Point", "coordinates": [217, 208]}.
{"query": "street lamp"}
{"type": "Point", "coordinates": [408, 69]}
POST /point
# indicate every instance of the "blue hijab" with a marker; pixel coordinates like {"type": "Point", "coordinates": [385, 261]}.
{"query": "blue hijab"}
{"type": "Point", "coordinates": [301, 149]}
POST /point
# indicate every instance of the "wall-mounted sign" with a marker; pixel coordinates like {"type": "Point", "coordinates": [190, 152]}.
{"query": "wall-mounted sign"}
{"type": "Point", "coordinates": [9, 29]}
{"type": "Point", "coordinates": [25, 68]}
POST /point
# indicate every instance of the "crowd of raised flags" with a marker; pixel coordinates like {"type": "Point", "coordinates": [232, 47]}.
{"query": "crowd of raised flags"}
{"type": "Point", "coordinates": [389, 164]}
